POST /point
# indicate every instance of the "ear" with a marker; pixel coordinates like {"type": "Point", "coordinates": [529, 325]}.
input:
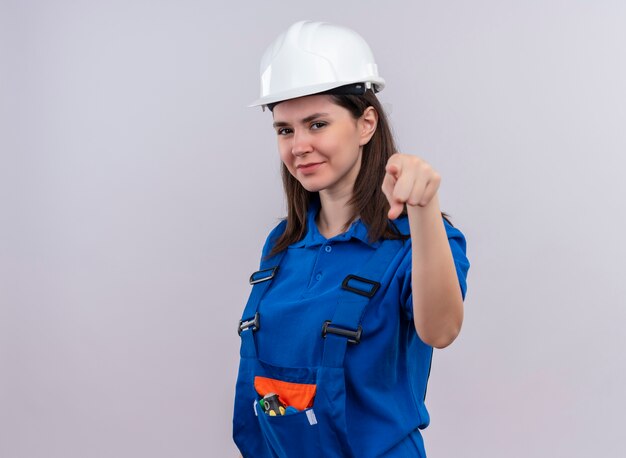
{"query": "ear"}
{"type": "Point", "coordinates": [367, 125]}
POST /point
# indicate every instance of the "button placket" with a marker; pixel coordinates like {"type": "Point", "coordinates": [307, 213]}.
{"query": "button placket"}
{"type": "Point", "coordinates": [327, 249]}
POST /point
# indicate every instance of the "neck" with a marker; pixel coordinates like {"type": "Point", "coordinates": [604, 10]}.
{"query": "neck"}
{"type": "Point", "coordinates": [335, 213]}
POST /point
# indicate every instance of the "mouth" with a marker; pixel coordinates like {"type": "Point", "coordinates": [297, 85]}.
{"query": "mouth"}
{"type": "Point", "coordinates": [309, 169]}
{"type": "Point", "coordinates": [308, 166]}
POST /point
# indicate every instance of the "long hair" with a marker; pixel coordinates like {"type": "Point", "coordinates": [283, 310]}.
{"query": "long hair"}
{"type": "Point", "coordinates": [368, 201]}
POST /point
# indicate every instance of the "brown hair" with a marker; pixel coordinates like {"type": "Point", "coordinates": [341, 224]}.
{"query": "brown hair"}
{"type": "Point", "coordinates": [368, 200]}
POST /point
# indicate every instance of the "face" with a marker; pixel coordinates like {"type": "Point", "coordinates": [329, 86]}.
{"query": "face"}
{"type": "Point", "coordinates": [320, 142]}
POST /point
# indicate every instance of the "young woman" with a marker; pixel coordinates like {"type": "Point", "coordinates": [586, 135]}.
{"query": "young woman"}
{"type": "Point", "coordinates": [360, 281]}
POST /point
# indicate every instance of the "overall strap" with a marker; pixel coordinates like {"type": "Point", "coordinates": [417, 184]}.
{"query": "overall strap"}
{"type": "Point", "coordinates": [357, 290]}
{"type": "Point", "coordinates": [251, 320]}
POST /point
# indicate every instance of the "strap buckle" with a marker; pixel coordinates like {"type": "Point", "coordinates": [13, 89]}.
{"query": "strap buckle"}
{"type": "Point", "coordinates": [257, 278]}
{"type": "Point", "coordinates": [353, 336]}
{"type": "Point", "coordinates": [367, 293]}
{"type": "Point", "coordinates": [253, 323]}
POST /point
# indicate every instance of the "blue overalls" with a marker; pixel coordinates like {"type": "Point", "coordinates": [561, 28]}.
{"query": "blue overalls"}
{"type": "Point", "coordinates": [330, 335]}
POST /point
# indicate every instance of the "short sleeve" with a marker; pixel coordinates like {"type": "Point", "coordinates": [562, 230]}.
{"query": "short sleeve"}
{"type": "Point", "coordinates": [458, 247]}
{"type": "Point", "coordinates": [457, 242]}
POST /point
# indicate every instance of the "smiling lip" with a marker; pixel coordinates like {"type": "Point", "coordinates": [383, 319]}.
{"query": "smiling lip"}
{"type": "Point", "coordinates": [308, 168]}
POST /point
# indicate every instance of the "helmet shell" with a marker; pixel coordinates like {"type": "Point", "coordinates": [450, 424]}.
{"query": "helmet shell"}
{"type": "Point", "coordinates": [312, 57]}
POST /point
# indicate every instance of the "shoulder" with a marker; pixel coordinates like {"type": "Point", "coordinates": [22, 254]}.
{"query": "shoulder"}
{"type": "Point", "coordinates": [455, 237]}
{"type": "Point", "coordinates": [273, 236]}
{"type": "Point", "coordinates": [278, 230]}
{"type": "Point", "coordinates": [454, 234]}
{"type": "Point", "coordinates": [402, 225]}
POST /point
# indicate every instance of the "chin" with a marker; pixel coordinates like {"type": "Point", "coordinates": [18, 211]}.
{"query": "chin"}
{"type": "Point", "coordinates": [313, 184]}
{"type": "Point", "coordinates": [311, 187]}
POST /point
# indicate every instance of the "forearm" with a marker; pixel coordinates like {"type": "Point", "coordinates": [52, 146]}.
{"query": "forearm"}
{"type": "Point", "coordinates": [437, 300]}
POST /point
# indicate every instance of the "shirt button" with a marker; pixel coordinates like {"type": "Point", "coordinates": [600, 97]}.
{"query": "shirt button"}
{"type": "Point", "coordinates": [318, 276]}
{"type": "Point", "coordinates": [328, 248]}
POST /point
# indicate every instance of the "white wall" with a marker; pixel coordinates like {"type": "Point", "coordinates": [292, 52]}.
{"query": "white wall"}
{"type": "Point", "coordinates": [136, 190]}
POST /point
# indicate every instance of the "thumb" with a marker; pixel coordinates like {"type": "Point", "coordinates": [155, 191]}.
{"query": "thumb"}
{"type": "Point", "coordinates": [395, 209]}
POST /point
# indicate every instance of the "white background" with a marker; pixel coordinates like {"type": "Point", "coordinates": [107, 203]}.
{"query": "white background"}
{"type": "Point", "coordinates": [136, 190]}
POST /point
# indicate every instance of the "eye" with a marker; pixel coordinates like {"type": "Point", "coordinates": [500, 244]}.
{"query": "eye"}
{"type": "Point", "coordinates": [283, 131]}
{"type": "Point", "coordinates": [317, 125]}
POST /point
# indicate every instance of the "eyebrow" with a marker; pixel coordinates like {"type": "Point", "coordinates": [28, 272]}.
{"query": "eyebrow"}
{"type": "Point", "coordinates": [303, 121]}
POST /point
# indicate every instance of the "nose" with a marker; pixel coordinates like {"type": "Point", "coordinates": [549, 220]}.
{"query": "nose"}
{"type": "Point", "coordinates": [301, 143]}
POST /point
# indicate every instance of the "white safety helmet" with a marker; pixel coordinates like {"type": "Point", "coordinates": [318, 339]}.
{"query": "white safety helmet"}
{"type": "Point", "coordinates": [313, 57]}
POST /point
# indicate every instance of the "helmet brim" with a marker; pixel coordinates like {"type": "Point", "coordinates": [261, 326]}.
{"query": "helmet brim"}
{"type": "Point", "coordinates": [378, 83]}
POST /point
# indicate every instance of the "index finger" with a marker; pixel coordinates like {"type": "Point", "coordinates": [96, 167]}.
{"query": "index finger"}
{"type": "Point", "coordinates": [394, 166]}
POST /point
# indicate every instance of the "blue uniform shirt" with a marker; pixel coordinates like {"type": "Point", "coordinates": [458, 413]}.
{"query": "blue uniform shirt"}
{"type": "Point", "coordinates": [387, 372]}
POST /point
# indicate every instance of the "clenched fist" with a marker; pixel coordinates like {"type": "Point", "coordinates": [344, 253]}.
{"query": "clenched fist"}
{"type": "Point", "coordinates": [408, 180]}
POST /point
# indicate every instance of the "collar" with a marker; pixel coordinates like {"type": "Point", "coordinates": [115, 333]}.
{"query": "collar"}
{"type": "Point", "coordinates": [312, 237]}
